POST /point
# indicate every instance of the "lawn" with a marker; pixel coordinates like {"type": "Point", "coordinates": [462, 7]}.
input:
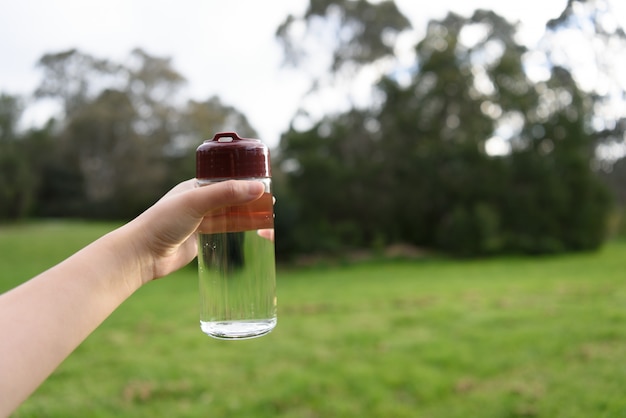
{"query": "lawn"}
{"type": "Point", "coordinates": [514, 337]}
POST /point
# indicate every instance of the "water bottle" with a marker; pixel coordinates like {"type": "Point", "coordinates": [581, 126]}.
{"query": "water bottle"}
{"type": "Point", "coordinates": [236, 257]}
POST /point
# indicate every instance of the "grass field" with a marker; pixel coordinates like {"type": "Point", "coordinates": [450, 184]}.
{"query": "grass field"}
{"type": "Point", "coordinates": [516, 337]}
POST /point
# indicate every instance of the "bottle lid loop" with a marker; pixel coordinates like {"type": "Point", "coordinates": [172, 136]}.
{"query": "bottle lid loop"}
{"type": "Point", "coordinates": [227, 156]}
{"type": "Point", "coordinates": [226, 137]}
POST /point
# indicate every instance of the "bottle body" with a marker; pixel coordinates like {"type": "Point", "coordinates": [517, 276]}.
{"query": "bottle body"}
{"type": "Point", "coordinates": [237, 271]}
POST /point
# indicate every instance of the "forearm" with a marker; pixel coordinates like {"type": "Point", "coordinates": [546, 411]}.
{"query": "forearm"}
{"type": "Point", "coordinates": [45, 319]}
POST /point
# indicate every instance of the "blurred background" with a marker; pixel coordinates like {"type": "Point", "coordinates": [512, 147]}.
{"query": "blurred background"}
{"type": "Point", "coordinates": [471, 128]}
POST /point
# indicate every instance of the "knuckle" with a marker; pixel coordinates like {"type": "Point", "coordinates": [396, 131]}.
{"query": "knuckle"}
{"type": "Point", "coordinates": [231, 189]}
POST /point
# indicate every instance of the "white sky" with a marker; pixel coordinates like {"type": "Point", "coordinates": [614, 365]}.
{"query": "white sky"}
{"type": "Point", "coordinates": [223, 48]}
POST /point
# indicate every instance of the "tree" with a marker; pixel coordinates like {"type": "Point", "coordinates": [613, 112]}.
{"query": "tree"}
{"type": "Point", "coordinates": [332, 173]}
{"type": "Point", "coordinates": [10, 112]}
{"type": "Point", "coordinates": [125, 136]}
{"type": "Point", "coordinates": [600, 46]}
{"type": "Point", "coordinates": [23, 154]}
{"type": "Point", "coordinates": [72, 77]}
{"type": "Point", "coordinates": [420, 156]}
{"type": "Point", "coordinates": [361, 32]}
{"type": "Point", "coordinates": [341, 44]}
{"type": "Point", "coordinates": [587, 38]}
{"type": "Point", "coordinates": [16, 178]}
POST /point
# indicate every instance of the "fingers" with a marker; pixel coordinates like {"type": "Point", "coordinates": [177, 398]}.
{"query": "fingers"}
{"type": "Point", "coordinates": [227, 193]}
{"type": "Point", "coordinates": [214, 196]}
{"type": "Point", "coordinates": [202, 200]}
{"type": "Point", "coordinates": [266, 233]}
{"type": "Point", "coordinates": [178, 214]}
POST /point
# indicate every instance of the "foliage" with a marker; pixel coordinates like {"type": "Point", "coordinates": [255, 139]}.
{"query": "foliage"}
{"type": "Point", "coordinates": [514, 337]}
{"type": "Point", "coordinates": [121, 141]}
{"type": "Point", "coordinates": [362, 32]}
{"type": "Point", "coordinates": [601, 39]}
{"type": "Point", "coordinates": [18, 161]}
{"type": "Point", "coordinates": [416, 166]}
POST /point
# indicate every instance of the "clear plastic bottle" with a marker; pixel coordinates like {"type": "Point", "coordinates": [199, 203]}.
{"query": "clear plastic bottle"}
{"type": "Point", "coordinates": [236, 257]}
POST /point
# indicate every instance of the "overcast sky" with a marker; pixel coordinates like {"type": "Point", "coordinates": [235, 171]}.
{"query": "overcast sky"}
{"type": "Point", "coordinates": [223, 48]}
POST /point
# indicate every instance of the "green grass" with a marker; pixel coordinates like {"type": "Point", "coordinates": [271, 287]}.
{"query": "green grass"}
{"type": "Point", "coordinates": [516, 337]}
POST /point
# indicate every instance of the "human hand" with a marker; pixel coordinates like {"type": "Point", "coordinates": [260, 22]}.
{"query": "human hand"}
{"type": "Point", "coordinates": [267, 233]}
{"type": "Point", "coordinates": [96, 279]}
{"type": "Point", "coordinates": [165, 233]}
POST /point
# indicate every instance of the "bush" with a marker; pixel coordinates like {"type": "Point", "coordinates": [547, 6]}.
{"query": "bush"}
{"type": "Point", "coordinates": [472, 232]}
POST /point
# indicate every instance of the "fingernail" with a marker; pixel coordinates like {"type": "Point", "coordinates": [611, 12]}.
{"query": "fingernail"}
{"type": "Point", "coordinates": [255, 188]}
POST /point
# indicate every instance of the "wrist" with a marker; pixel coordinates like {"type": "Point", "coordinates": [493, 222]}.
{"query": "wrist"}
{"type": "Point", "coordinates": [123, 251]}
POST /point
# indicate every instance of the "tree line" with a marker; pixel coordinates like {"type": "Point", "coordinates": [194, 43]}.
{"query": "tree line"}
{"type": "Point", "coordinates": [122, 139]}
{"type": "Point", "coordinates": [460, 151]}
{"type": "Point", "coordinates": [418, 165]}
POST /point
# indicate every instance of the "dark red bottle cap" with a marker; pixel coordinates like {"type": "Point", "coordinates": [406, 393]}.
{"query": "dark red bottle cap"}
{"type": "Point", "coordinates": [228, 156]}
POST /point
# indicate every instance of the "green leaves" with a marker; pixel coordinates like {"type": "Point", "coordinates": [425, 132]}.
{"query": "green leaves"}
{"type": "Point", "coordinates": [356, 33]}
{"type": "Point", "coordinates": [415, 167]}
{"type": "Point", "coordinates": [120, 142]}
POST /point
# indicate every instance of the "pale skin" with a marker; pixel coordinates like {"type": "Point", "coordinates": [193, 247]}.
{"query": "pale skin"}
{"type": "Point", "coordinates": [75, 296]}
